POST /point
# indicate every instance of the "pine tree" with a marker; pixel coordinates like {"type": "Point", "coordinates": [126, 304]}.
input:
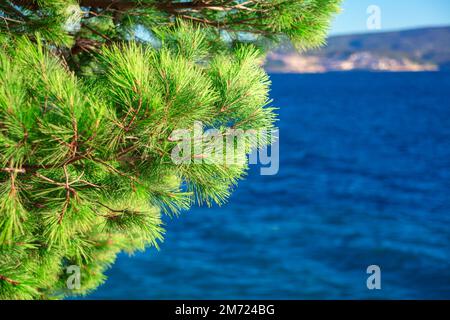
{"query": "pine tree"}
{"type": "Point", "coordinates": [90, 92]}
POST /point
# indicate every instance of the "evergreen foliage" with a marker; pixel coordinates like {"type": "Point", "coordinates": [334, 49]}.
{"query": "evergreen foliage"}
{"type": "Point", "coordinates": [90, 93]}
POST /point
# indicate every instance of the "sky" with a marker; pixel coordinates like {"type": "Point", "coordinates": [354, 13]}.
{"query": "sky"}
{"type": "Point", "coordinates": [394, 15]}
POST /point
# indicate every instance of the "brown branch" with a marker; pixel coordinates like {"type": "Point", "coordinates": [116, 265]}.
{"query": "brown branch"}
{"type": "Point", "coordinates": [133, 118]}
{"type": "Point", "coordinates": [96, 32]}
{"type": "Point", "coordinates": [10, 281]}
{"type": "Point", "coordinates": [167, 6]}
{"type": "Point", "coordinates": [127, 150]}
{"type": "Point", "coordinates": [14, 170]}
{"type": "Point", "coordinates": [120, 173]}
{"type": "Point", "coordinates": [68, 192]}
{"type": "Point", "coordinates": [48, 179]}
{"type": "Point", "coordinates": [110, 209]}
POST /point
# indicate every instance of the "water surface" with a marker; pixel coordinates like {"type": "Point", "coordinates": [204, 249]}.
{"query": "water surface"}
{"type": "Point", "coordinates": [364, 179]}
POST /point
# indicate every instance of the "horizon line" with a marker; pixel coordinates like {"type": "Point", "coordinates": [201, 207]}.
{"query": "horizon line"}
{"type": "Point", "coordinates": [374, 32]}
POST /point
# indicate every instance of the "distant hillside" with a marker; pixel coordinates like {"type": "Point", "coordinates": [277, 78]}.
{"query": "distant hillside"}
{"type": "Point", "coordinates": [412, 50]}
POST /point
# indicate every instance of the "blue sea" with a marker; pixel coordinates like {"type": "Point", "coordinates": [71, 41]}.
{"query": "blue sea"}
{"type": "Point", "coordinates": [364, 180]}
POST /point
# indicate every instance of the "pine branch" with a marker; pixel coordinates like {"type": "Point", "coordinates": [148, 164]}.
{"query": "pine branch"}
{"type": "Point", "coordinates": [87, 113]}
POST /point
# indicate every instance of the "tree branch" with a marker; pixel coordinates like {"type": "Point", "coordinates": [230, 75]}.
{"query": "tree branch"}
{"type": "Point", "coordinates": [124, 5]}
{"type": "Point", "coordinates": [10, 281]}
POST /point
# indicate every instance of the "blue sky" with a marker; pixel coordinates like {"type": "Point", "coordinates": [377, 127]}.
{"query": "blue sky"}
{"type": "Point", "coordinates": [395, 15]}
